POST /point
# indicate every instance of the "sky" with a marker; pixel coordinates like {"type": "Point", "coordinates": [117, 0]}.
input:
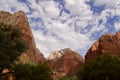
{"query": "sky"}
{"type": "Point", "coordinates": [75, 24]}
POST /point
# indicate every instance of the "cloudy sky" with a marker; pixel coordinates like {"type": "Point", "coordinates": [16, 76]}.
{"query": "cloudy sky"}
{"type": "Point", "coordinates": [75, 24]}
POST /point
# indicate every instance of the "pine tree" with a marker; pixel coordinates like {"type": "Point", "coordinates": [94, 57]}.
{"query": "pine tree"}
{"type": "Point", "coordinates": [11, 46]}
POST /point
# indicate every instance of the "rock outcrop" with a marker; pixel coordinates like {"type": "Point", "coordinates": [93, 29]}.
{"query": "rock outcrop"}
{"type": "Point", "coordinates": [19, 20]}
{"type": "Point", "coordinates": [66, 62]}
{"type": "Point", "coordinates": [58, 54]}
{"type": "Point", "coordinates": [108, 43]}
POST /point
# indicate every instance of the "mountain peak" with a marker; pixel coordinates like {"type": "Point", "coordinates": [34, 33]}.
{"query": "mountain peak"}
{"type": "Point", "coordinates": [58, 54]}
{"type": "Point", "coordinates": [66, 50]}
{"type": "Point", "coordinates": [19, 20]}
{"type": "Point", "coordinates": [107, 43]}
{"type": "Point", "coordinates": [64, 62]}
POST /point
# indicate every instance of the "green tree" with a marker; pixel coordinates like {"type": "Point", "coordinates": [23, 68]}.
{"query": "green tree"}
{"type": "Point", "coordinates": [104, 67]}
{"type": "Point", "coordinates": [32, 72]}
{"type": "Point", "coordinates": [68, 78]}
{"type": "Point", "coordinates": [11, 46]}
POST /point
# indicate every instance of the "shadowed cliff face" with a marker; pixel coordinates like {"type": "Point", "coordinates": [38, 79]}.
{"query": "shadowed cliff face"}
{"type": "Point", "coordinates": [108, 43]}
{"type": "Point", "coordinates": [19, 20]}
{"type": "Point", "coordinates": [66, 63]}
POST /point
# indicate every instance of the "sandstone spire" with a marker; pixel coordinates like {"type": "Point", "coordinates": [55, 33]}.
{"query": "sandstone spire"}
{"type": "Point", "coordinates": [19, 20]}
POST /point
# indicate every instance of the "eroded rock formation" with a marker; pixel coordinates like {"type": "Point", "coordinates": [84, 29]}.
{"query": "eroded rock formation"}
{"type": "Point", "coordinates": [66, 63]}
{"type": "Point", "coordinates": [19, 20]}
{"type": "Point", "coordinates": [108, 43]}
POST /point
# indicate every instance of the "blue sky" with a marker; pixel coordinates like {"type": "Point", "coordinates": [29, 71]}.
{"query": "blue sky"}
{"type": "Point", "coordinates": [75, 24]}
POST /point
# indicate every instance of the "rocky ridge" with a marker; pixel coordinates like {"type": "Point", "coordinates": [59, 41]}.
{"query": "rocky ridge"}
{"type": "Point", "coordinates": [65, 64]}
{"type": "Point", "coordinates": [108, 43]}
{"type": "Point", "coordinates": [19, 20]}
{"type": "Point", "coordinates": [58, 54]}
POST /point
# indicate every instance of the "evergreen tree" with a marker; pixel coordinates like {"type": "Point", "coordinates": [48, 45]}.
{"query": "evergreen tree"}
{"type": "Point", "coordinates": [104, 67]}
{"type": "Point", "coordinates": [11, 46]}
{"type": "Point", "coordinates": [32, 72]}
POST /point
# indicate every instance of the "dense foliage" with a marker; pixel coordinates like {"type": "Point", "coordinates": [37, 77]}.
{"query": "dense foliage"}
{"type": "Point", "coordinates": [68, 78]}
{"type": "Point", "coordinates": [32, 72]}
{"type": "Point", "coordinates": [104, 67]}
{"type": "Point", "coordinates": [11, 46]}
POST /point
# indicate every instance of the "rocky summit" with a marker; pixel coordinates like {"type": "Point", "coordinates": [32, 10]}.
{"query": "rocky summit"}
{"type": "Point", "coordinates": [19, 20]}
{"type": "Point", "coordinates": [108, 43]}
{"type": "Point", "coordinates": [57, 54]}
{"type": "Point", "coordinates": [64, 62]}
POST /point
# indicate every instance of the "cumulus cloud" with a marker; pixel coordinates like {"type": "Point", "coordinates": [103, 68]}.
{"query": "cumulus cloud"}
{"type": "Point", "coordinates": [13, 6]}
{"type": "Point", "coordinates": [117, 26]}
{"type": "Point", "coordinates": [73, 25]}
{"type": "Point", "coordinates": [60, 30]}
{"type": "Point", "coordinates": [107, 3]}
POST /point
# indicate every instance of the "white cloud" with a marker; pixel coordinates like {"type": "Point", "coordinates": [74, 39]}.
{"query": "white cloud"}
{"type": "Point", "coordinates": [67, 30]}
{"type": "Point", "coordinates": [6, 5]}
{"type": "Point", "coordinates": [51, 9]}
{"type": "Point", "coordinates": [77, 7]}
{"type": "Point", "coordinates": [117, 26]}
{"type": "Point", "coordinates": [107, 3]}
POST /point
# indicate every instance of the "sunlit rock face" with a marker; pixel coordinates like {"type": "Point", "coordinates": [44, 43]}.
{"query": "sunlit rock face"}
{"type": "Point", "coordinates": [19, 20]}
{"type": "Point", "coordinates": [66, 62]}
{"type": "Point", "coordinates": [108, 43]}
{"type": "Point", "coordinates": [58, 54]}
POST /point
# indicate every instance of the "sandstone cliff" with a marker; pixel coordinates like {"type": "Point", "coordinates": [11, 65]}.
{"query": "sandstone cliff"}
{"type": "Point", "coordinates": [58, 54]}
{"type": "Point", "coordinates": [66, 63]}
{"type": "Point", "coordinates": [108, 43]}
{"type": "Point", "coordinates": [19, 20]}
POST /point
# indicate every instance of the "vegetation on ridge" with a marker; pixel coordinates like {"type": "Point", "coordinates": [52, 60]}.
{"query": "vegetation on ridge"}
{"type": "Point", "coordinates": [104, 67]}
{"type": "Point", "coordinates": [11, 46]}
{"type": "Point", "coordinates": [32, 72]}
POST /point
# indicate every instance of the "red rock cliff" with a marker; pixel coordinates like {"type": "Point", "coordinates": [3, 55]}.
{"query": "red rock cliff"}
{"type": "Point", "coordinates": [108, 43]}
{"type": "Point", "coordinates": [19, 20]}
{"type": "Point", "coordinates": [65, 64]}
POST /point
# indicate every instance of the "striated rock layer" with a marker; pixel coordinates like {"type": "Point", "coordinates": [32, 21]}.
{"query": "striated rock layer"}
{"type": "Point", "coordinates": [19, 20]}
{"type": "Point", "coordinates": [108, 43]}
{"type": "Point", "coordinates": [66, 63]}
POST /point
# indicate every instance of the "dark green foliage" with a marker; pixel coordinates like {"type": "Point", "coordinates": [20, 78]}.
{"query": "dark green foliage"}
{"type": "Point", "coordinates": [68, 78]}
{"type": "Point", "coordinates": [31, 72]}
{"type": "Point", "coordinates": [11, 46]}
{"type": "Point", "coordinates": [104, 67]}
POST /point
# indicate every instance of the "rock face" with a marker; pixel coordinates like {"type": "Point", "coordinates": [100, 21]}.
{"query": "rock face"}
{"type": "Point", "coordinates": [19, 20]}
{"type": "Point", "coordinates": [108, 43]}
{"type": "Point", "coordinates": [58, 54]}
{"type": "Point", "coordinates": [66, 62]}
